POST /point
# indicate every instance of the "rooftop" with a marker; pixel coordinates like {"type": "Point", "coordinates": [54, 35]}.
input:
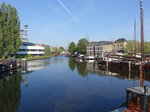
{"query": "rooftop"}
{"type": "Point", "coordinates": [101, 42]}
{"type": "Point", "coordinates": [120, 40]}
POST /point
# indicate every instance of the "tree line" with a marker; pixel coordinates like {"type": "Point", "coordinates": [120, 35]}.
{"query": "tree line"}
{"type": "Point", "coordinates": [9, 31]}
{"type": "Point", "coordinates": [80, 47]}
{"type": "Point", "coordinates": [129, 48]}
{"type": "Point", "coordinates": [49, 51]}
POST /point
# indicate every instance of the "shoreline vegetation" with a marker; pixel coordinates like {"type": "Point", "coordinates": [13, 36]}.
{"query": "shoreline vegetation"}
{"type": "Point", "coordinates": [32, 58]}
{"type": "Point", "coordinates": [36, 58]}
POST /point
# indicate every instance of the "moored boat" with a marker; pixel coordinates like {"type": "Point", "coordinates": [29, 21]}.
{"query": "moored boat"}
{"type": "Point", "coordinates": [89, 58]}
{"type": "Point", "coordinates": [80, 56]}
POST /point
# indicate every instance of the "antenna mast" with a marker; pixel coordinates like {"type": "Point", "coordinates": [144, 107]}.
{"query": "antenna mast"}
{"type": "Point", "coordinates": [88, 37]}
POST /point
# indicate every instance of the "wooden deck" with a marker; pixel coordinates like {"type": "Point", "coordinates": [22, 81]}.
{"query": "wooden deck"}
{"type": "Point", "coordinates": [138, 99]}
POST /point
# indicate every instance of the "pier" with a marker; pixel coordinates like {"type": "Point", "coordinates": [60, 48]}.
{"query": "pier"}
{"type": "Point", "coordinates": [138, 99]}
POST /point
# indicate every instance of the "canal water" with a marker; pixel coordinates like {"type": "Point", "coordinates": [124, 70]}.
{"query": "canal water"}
{"type": "Point", "coordinates": [62, 84]}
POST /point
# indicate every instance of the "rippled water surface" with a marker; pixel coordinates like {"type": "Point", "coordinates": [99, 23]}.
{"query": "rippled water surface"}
{"type": "Point", "coordinates": [62, 84]}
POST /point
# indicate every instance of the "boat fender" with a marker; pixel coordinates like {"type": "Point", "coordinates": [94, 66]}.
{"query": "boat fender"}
{"type": "Point", "coordinates": [10, 66]}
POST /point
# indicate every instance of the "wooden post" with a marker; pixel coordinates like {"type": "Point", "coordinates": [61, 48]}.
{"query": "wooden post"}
{"type": "Point", "coordinates": [148, 105]}
{"type": "Point", "coordinates": [107, 63]}
{"type": "Point", "coordinates": [129, 65]}
{"type": "Point", "coordinates": [138, 102]}
{"type": "Point", "coordinates": [127, 98]}
{"type": "Point", "coordinates": [24, 64]}
{"type": "Point", "coordinates": [129, 74]}
{"type": "Point", "coordinates": [141, 74]}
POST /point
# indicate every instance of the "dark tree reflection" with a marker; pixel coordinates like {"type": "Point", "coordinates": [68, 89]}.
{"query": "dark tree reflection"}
{"type": "Point", "coordinates": [81, 67]}
{"type": "Point", "coordinates": [10, 92]}
{"type": "Point", "coordinates": [72, 63]}
{"type": "Point", "coordinates": [79, 64]}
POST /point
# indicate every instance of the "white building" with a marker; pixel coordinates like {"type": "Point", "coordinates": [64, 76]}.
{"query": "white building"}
{"type": "Point", "coordinates": [28, 48]}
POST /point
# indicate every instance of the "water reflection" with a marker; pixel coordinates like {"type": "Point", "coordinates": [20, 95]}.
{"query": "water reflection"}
{"type": "Point", "coordinates": [50, 86]}
{"type": "Point", "coordinates": [10, 91]}
{"type": "Point", "coordinates": [36, 65]}
{"type": "Point", "coordinates": [72, 63]}
{"type": "Point", "coordinates": [32, 66]}
{"type": "Point", "coordinates": [10, 84]}
{"type": "Point", "coordinates": [87, 67]}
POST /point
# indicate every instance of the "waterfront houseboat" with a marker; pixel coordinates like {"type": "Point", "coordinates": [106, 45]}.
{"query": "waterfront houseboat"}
{"type": "Point", "coordinates": [111, 61]}
{"type": "Point", "coordinates": [122, 62]}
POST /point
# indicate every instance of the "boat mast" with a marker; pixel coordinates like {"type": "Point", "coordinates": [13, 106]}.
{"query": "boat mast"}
{"type": "Point", "coordinates": [142, 43]}
{"type": "Point", "coordinates": [142, 30]}
{"type": "Point", "coordinates": [134, 38]}
{"type": "Point", "coordinates": [88, 37]}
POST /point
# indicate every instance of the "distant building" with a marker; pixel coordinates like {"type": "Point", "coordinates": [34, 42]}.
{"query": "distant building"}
{"type": "Point", "coordinates": [90, 49]}
{"type": "Point", "coordinates": [119, 45]}
{"type": "Point", "coordinates": [28, 48]}
{"type": "Point", "coordinates": [102, 48]}
{"type": "Point", "coordinates": [53, 49]}
{"type": "Point", "coordinates": [98, 49]}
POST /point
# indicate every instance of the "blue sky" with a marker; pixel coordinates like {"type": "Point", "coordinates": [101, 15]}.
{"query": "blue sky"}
{"type": "Point", "coordinates": [55, 22]}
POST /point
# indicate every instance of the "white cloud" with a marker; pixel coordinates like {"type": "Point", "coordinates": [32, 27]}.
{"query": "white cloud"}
{"type": "Point", "coordinates": [67, 10]}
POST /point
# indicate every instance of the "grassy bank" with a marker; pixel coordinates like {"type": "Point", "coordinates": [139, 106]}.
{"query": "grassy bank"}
{"type": "Point", "coordinates": [32, 58]}
{"type": "Point", "coordinates": [36, 58]}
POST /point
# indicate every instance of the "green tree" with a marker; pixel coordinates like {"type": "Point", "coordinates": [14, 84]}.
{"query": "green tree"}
{"type": "Point", "coordinates": [72, 48]}
{"type": "Point", "coordinates": [1, 36]}
{"type": "Point", "coordinates": [147, 47]}
{"type": "Point", "coordinates": [47, 50]}
{"type": "Point", "coordinates": [129, 47]}
{"type": "Point", "coordinates": [3, 18]}
{"type": "Point", "coordinates": [81, 47]}
{"type": "Point", "coordinates": [9, 30]}
{"type": "Point", "coordinates": [61, 49]}
{"type": "Point", "coordinates": [15, 31]}
{"type": "Point", "coordinates": [55, 49]}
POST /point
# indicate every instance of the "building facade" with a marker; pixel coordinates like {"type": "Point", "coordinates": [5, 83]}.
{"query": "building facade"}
{"type": "Point", "coordinates": [90, 49]}
{"type": "Point", "coordinates": [28, 48]}
{"type": "Point", "coordinates": [98, 49]}
{"type": "Point", "coordinates": [119, 45]}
